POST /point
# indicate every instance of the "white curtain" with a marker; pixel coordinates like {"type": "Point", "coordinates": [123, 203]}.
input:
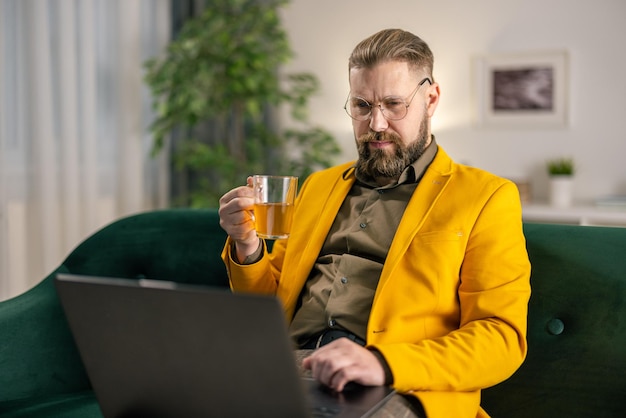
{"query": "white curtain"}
{"type": "Point", "coordinates": [74, 117]}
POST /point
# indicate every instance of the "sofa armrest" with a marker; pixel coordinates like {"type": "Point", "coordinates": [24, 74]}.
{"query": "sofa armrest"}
{"type": "Point", "coordinates": [37, 352]}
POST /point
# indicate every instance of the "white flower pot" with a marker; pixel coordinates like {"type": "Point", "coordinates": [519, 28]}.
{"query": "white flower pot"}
{"type": "Point", "coordinates": [561, 191]}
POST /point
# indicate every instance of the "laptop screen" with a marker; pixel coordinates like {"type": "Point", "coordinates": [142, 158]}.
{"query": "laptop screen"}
{"type": "Point", "coordinates": [161, 349]}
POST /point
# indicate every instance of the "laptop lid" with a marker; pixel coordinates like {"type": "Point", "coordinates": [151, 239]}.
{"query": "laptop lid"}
{"type": "Point", "coordinates": [160, 349]}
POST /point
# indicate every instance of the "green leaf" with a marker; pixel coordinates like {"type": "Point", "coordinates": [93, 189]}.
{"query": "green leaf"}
{"type": "Point", "coordinates": [216, 93]}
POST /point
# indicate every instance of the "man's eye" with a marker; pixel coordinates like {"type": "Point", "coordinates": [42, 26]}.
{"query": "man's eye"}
{"type": "Point", "coordinates": [393, 103]}
{"type": "Point", "coordinates": [361, 104]}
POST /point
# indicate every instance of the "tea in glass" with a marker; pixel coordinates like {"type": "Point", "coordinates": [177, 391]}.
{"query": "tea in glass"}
{"type": "Point", "coordinates": [274, 198]}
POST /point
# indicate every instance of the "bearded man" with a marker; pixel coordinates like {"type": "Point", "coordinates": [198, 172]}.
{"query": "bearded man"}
{"type": "Point", "coordinates": [403, 268]}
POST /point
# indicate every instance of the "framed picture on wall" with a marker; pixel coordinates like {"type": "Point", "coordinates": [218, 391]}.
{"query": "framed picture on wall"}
{"type": "Point", "coordinates": [522, 90]}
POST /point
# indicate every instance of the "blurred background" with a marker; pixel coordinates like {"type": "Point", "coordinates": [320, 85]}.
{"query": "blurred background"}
{"type": "Point", "coordinates": [76, 111]}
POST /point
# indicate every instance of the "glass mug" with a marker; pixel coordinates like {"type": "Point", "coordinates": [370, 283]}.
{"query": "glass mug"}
{"type": "Point", "coordinates": [274, 198]}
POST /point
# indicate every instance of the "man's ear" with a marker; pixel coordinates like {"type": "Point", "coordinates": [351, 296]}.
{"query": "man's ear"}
{"type": "Point", "coordinates": [432, 99]}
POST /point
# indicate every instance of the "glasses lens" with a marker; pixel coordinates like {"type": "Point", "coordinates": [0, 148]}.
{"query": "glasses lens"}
{"type": "Point", "coordinates": [394, 108]}
{"type": "Point", "coordinates": [358, 108]}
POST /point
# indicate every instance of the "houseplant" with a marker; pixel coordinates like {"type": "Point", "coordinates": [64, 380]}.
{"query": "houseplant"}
{"type": "Point", "coordinates": [561, 167]}
{"type": "Point", "coordinates": [561, 172]}
{"type": "Point", "coordinates": [217, 93]}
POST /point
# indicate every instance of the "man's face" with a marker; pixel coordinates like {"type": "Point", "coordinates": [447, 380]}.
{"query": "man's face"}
{"type": "Point", "coordinates": [387, 147]}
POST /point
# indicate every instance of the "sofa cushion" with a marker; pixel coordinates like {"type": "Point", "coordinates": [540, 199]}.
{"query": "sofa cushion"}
{"type": "Point", "coordinates": [38, 357]}
{"type": "Point", "coordinates": [181, 245]}
{"type": "Point", "coordinates": [576, 363]}
{"type": "Point", "coordinates": [75, 405]}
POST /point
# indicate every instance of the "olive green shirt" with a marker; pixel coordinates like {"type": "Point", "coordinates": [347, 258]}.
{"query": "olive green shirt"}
{"type": "Point", "coordinates": [340, 289]}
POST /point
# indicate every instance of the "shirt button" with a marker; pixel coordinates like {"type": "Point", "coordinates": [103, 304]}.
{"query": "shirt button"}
{"type": "Point", "coordinates": [344, 280]}
{"type": "Point", "coordinates": [362, 225]}
{"type": "Point", "coordinates": [332, 322]}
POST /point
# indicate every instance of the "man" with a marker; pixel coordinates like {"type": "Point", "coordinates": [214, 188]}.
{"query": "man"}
{"type": "Point", "coordinates": [419, 262]}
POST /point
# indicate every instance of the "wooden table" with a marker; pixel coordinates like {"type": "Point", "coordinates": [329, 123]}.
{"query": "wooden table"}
{"type": "Point", "coordinates": [396, 407]}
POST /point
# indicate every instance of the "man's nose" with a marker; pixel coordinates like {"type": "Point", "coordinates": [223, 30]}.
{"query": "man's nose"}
{"type": "Point", "coordinates": [378, 123]}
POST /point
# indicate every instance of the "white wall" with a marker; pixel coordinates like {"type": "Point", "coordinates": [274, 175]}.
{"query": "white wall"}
{"type": "Point", "coordinates": [323, 33]}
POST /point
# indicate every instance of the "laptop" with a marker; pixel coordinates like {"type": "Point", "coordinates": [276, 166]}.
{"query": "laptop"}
{"type": "Point", "coordinates": [160, 349]}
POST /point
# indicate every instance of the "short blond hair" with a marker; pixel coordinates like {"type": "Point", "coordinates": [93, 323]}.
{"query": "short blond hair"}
{"type": "Point", "coordinates": [393, 45]}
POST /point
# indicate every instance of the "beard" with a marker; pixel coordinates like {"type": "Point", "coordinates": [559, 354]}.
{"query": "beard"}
{"type": "Point", "coordinates": [376, 163]}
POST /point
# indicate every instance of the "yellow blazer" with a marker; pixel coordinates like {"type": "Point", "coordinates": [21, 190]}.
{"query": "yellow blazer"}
{"type": "Point", "coordinates": [449, 313]}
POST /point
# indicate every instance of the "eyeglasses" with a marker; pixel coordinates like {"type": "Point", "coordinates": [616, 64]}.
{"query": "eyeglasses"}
{"type": "Point", "coordinates": [392, 107]}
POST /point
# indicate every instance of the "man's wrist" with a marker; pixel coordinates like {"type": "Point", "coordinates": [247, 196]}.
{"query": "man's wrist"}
{"type": "Point", "coordinates": [247, 253]}
{"type": "Point", "coordinates": [383, 363]}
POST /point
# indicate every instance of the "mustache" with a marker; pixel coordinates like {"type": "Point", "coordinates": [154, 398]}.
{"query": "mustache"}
{"type": "Point", "coordinates": [372, 136]}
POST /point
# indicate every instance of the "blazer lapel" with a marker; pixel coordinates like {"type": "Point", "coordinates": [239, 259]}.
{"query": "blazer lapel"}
{"type": "Point", "coordinates": [418, 209]}
{"type": "Point", "coordinates": [330, 191]}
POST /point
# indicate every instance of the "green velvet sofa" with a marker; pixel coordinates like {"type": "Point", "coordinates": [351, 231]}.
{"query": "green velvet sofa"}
{"type": "Point", "coordinates": [576, 365]}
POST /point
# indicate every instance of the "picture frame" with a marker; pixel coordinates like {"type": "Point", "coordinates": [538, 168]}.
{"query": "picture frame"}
{"type": "Point", "coordinates": [522, 90]}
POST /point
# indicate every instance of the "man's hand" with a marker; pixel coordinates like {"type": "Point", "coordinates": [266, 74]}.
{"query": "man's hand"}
{"type": "Point", "coordinates": [237, 219]}
{"type": "Point", "coordinates": [343, 361]}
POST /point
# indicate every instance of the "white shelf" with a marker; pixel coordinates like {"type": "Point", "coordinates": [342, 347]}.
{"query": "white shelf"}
{"type": "Point", "coordinates": [577, 214]}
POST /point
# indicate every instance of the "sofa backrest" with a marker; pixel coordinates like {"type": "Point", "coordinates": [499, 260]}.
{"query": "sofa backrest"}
{"type": "Point", "coordinates": [576, 363]}
{"type": "Point", "coordinates": [181, 245]}
{"type": "Point", "coordinates": [37, 353]}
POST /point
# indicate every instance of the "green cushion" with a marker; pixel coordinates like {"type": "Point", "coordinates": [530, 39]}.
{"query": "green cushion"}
{"type": "Point", "coordinates": [75, 405]}
{"type": "Point", "coordinates": [181, 245]}
{"type": "Point", "coordinates": [576, 364]}
{"type": "Point", "coordinates": [38, 357]}
{"type": "Point", "coordinates": [37, 354]}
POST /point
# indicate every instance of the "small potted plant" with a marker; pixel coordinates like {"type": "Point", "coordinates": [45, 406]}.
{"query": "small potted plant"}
{"type": "Point", "coordinates": [561, 167]}
{"type": "Point", "coordinates": [561, 172]}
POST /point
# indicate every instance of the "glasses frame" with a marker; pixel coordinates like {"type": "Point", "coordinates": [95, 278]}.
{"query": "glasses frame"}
{"type": "Point", "coordinates": [371, 106]}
